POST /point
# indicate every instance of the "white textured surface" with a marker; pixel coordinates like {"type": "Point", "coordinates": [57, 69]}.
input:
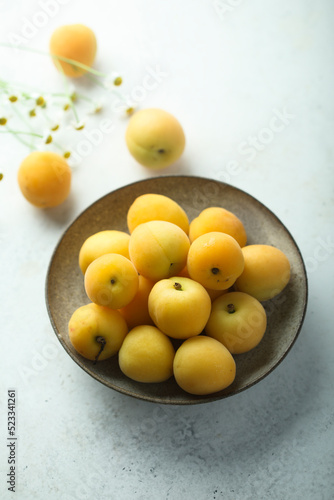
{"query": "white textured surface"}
{"type": "Point", "coordinates": [225, 77]}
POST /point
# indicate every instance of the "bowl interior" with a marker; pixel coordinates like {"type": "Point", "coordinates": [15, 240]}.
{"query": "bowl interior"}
{"type": "Point", "coordinates": [65, 287]}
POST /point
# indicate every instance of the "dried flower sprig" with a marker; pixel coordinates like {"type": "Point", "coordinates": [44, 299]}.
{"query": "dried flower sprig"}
{"type": "Point", "coordinates": [30, 105]}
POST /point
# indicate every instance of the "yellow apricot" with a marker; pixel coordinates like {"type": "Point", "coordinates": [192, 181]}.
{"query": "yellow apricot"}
{"type": "Point", "coordinates": [266, 272]}
{"type": "Point", "coordinates": [202, 365]}
{"type": "Point", "coordinates": [44, 178]}
{"type": "Point", "coordinates": [218, 219]}
{"type": "Point", "coordinates": [238, 321]}
{"type": "Point", "coordinates": [136, 312]}
{"type": "Point", "coordinates": [153, 206]}
{"type": "Point", "coordinates": [179, 307]}
{"type": "Point", "coordinates": [97, 332]}
{"type": "Point", "coordinates": [76, 42]}
{"type": "Point", "coordinates": [108, 241]}
{"type": "Point", "coordinates": [146, 355]}
{"type": "Point", "coordinates": [155, 138]}
{"type": "Point", "coordinates": [215, 260]}
{"type": "Point", "coordinates": [111, 281]}
{"type": "Point", "coordinates": [158, 249]}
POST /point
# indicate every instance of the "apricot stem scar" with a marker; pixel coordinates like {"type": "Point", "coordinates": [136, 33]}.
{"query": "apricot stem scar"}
{"type": "Point", "coordinates": [112, 281]}
{"type": "Point", "coordinates": [230, 308]}
{"type": "Point", "coordinates": [215, 270]}
{"type": "Point", "coordinates": [161, 151]}
{"type": "Point", "coordinates": [101, 340]}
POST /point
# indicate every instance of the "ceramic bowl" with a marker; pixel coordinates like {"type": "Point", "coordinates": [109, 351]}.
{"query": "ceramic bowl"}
{"type": "Point", "coordinates": [65, 286]}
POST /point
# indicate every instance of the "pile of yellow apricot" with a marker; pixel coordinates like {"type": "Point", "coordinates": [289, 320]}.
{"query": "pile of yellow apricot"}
{"type": "Point", "coordinates": [170, 282]}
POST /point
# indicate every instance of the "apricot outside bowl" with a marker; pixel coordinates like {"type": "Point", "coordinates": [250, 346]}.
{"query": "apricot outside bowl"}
{"type": "Point", "coordinates": [65, 290]}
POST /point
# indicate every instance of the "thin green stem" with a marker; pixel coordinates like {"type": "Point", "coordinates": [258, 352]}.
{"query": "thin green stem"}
{"type": "Point", "coordinates": [54, 56]}
{"type": "Point", "coordinates": [19, 114]}
{"type": "Point", "coordinates": [8, 85]}
{"type": "Point", "coordinates": [71, 103]}
{"type": "Point", "coordinates": [58, 94]}
{"type": "Point", "coordinates": [96, 80]}
{"type": "Point", "coordinates": [75, 112]}
{"type": "Point", "coordinates": [22, 141]}
{"type": "Point", "coordinates": [20, 132]}
{"type": "Point", "coordinates": [5, 85]}
{"type": "Point", "coordinates": [113, 91]}
{"type": "Point", "coordinates": [85, 98]}
{"type": "Point", "coordinates": [17, 136]}
{"type": "Point", "coordinates": [118, 94]}
{"type": "Point", "coordinates": [47, 118]}
{"type": "Point", "coordinates": [58, 146]}
{"type": "Point", "coordinates": [26, 122]}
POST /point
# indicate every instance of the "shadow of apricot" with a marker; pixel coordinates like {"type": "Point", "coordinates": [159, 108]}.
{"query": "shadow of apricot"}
{"type": "Point", "coordinates": [182, 166]}
{"type": "Point", "coordinates": [61, 215]}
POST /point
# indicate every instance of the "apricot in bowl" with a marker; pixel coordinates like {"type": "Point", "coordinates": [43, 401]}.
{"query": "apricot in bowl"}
{"type": "Point", "coordinates": [65, 291]}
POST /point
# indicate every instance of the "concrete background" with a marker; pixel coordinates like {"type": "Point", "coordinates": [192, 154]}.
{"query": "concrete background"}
{"type": "Point", "coordinates": [226, 69]}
